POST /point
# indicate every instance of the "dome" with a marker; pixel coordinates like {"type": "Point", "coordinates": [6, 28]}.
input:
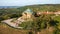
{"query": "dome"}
{"type": "Point", "coordinates": [28, 11]}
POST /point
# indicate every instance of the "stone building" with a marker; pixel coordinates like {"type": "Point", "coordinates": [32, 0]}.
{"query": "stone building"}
{"type": "Point", "coordinates": [26, 15]}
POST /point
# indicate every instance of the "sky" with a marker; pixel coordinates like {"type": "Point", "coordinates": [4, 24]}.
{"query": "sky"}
{"type": "Point", "coordinates": [27, 2]}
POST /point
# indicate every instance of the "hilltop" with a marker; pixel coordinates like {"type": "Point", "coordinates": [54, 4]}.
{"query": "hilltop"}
{"type": "Point", "coordinates": [44, 23]}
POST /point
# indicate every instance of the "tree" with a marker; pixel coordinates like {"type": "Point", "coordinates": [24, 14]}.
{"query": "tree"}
{"type": "Point", "coordinates": [44, 22]}
{"type": "Point", "coordinates": [39, 23]}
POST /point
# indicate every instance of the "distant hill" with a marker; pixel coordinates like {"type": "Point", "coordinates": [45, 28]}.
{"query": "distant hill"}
{"type": "Point", "coordinates": [9, 6]}
{"type": "Point", "coordinates": [15, 11]}
{"type": "Point", "coordinates": [42, 7]}
{"type": "Point", "coordinates": [37, 5]}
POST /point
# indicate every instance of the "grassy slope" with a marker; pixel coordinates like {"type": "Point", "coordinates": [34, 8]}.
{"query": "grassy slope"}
{"type": "Point", "coordinates": [5, 29]}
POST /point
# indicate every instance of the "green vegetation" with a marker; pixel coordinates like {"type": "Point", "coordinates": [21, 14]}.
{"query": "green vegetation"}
{"type": "Point", "coordinates": [43, 23]}
{"type": "Point", "coordinates": [16, 12]}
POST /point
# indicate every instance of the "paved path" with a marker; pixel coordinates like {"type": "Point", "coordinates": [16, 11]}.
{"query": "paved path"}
{"type": "Point", "coordinates": [11, 23]}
